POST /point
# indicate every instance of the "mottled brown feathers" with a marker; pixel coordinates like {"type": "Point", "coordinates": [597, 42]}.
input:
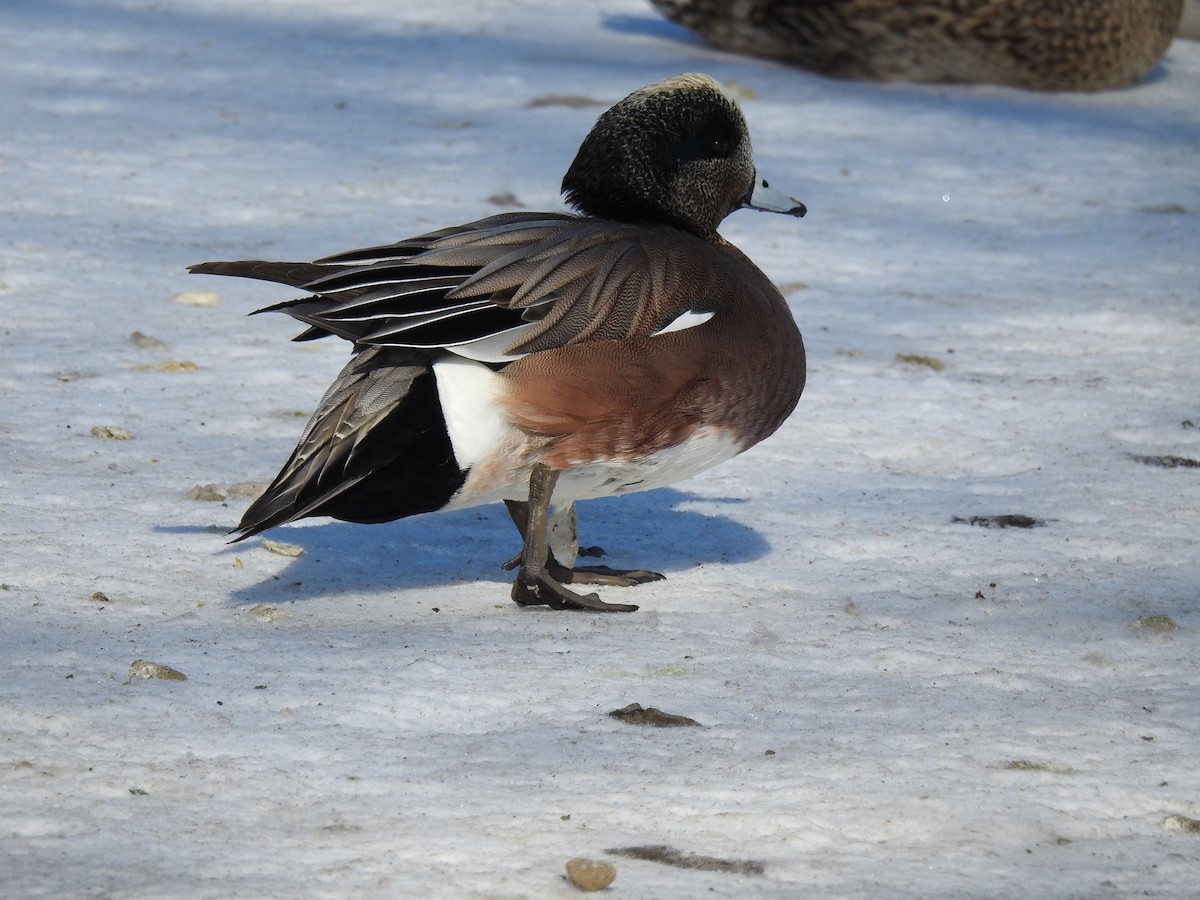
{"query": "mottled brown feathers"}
{"type": "Point", "coordinates": [1052, 45]}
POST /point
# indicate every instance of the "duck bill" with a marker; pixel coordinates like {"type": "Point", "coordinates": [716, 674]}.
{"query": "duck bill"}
{"type": "Point", "coordinates": [768, 199]}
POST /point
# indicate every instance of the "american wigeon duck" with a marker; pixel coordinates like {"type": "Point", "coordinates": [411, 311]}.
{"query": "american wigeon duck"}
{"type": "Point", "coordinates": [534, 357]}
{"type": "Point", "coordinates": [1077, 45]}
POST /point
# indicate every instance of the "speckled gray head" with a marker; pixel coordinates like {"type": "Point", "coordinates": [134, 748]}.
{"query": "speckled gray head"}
{"type": "Point", "coordinates": [673, 153]}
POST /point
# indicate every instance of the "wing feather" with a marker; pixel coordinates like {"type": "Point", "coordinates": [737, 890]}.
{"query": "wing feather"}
{"type": "Point", "coordinates": [544, 279]}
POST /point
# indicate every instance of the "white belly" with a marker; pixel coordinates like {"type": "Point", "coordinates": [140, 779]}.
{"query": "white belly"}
{"type": "Point", "coordinates": [704, 449]}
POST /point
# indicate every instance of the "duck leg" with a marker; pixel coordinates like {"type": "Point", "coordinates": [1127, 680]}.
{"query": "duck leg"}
{"type": "Point", "coordinates": [518, 510]}
{"type": "Point", "coordinates": [537, 583]}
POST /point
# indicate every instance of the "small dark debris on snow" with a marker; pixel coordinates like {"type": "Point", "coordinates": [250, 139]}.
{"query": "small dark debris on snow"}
{"type": "Point", "coordinates": [1177, 822]}
{"type": "Point", "coordinates": [669, 856]}
{"type": "Point", "coordinates": [921, 361]}
{"type": "Point", "coordinates": [141, 669]}
{"type": "Point", "coordinates": [636, 714]}
{"type": "Point", "coordinates": [210, 493]}
{"type": "Point", "coordinates": [1169, 462]}
{"type": "Point", "coordinates": [1158, 624]}
{"type": "Point", "coordinates": [1015, 520]}
{"type": "Point", "coordinates": [571, 101]}
{"type": "Point", "coordinates": [1028, 765]}
{"type": "Point", "coordinates": [146, 342]}
{"type": "Point", "coordinates": [111, 433]}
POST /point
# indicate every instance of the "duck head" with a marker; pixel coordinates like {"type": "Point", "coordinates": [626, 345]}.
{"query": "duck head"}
{"type": "Point", "coordinates": [674, 153]}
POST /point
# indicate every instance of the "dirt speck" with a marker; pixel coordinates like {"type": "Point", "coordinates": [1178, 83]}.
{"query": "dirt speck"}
{"type": "Point", "coordinates": [146, 342]}
{"type": "Point", "coordinates": [1177, 822]}
{"type": "Point", "coordinates": [590, 874]}
{"type": "Point", "coordinates": [921, 361]}
{"type": "Point", "coordinates": [669, 856]}
{"type": "Point", "coordinates": [1028, 765]}
{"type": "Point", "coordinates": [266, 613]}
{"type": "Point", "coordinates": [196, 298]}
{"type": "Point", "coordinates": [572, 101]}
{"type": "Point", "coordinates": [1010, 520]}
{"type": "Point", "coordinates": [168, 365]}
{"type": "Point", "coordinates": [246, 489]}
{"type": "Point", "coordinates": [212, 493]}
{"type": "Point", "coordinates": [1169, 462]}
{"type": "Point", "coordinates": [111, 433]}
{"type": "Point", "coordinates": [636, 714]}
{"type": "Point", "coordinates": [506, 199]}
{"type": "Point", "coordinates": [281, 548]}
{"type": "Point", "coordinates": [142, 669]}
{"type": "Point", "coordinates": [1155, 624]}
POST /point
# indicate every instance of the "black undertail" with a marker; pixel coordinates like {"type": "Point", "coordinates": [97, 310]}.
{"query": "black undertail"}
{"type": "Point", "coordinates": [375, 450]}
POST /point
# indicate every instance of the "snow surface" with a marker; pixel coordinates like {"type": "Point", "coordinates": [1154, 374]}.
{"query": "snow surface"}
{"type": "Point", "coordinates": [895, 704]}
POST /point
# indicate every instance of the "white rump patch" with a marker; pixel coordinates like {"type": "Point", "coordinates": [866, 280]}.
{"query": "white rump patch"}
{"type": "Point", "coordinates": [474, 421]}
{"type": "Point", "coordinates": [687, 319]}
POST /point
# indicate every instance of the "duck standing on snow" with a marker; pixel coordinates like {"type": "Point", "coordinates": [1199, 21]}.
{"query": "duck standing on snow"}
{"type": "Point", "coordinates": [531, 356]}
{"type": "Point", "coordinates": [1065, 45]}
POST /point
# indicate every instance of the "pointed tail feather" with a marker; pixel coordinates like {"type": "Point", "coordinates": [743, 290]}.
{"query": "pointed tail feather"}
{"type": "Point", "coordinates": [293, 274]}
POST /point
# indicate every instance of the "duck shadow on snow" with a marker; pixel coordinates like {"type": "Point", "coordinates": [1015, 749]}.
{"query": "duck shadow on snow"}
{"type": "Point", "coordinates": [465, 546]}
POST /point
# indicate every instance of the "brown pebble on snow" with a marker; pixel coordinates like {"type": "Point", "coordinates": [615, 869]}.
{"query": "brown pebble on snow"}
{"type": "Point", "coordinates": [143, 669]}
{"type": "Point", "coordinates": [209, 492]}
{"type": "Point", "coordinates": [169, 365]}
{"type": "Point", "coordinates": [920, 361]}
{"type": "Point", "coordinates": [1155, 624]}
{"type": "Point", "coordinates": [146, 342]}
{"type": "Point", "coordinates": [590, 874]}
{"type": "Point", "coordinates": [246, 488]}
{"type": "Point", "coordinates": [266, 613]}
{"type": "Point", "coordinates": [196, 298]}
{"type": "Point", "coordinates": [281, 548]}
{"type": "Point", "coordinates": [636, 714]}
{"type": "Point", "coordinates": [112, 433]}
{"type": "Point", "coordinates": [1176, 822]}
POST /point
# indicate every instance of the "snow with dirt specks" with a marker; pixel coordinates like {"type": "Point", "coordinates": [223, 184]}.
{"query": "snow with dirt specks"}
{"type": "Point", "coordinates": [999, 294]}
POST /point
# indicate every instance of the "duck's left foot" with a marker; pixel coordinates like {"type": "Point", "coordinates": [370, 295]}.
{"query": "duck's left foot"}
{"type": "Point", "coordinates": [541, 589]}
{"type": "Point", "coordinates": [604, 575]}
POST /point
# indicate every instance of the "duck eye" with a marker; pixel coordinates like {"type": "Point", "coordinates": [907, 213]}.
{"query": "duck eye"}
{"type": "Point", "coordinates": [720, 146]}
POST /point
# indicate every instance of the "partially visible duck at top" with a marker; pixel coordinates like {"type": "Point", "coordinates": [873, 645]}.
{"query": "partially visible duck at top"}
{"type": "Point", "coordinates": [1066, 45]}
{"type": "Point", "coordinates": [1189, 24]}
{"type": "Point", "coordinates": [541, 358]}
